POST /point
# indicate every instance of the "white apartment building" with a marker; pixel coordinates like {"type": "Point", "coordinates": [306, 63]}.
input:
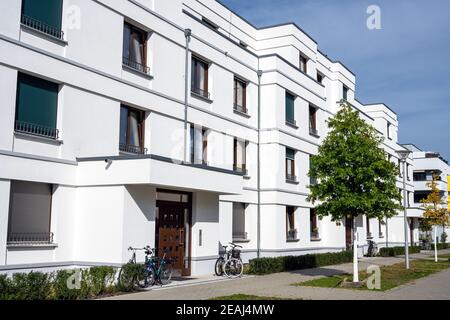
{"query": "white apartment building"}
{"type": "Point", "coordinates": [175, 124]}
{"type": "Point", "coordinates": [427, 163]}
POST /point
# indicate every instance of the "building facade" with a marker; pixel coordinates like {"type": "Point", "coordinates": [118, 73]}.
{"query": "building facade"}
{"type": "Point", "coordinates": [426, 165]}
{"type": "Point", "coordinates": [175, 124]}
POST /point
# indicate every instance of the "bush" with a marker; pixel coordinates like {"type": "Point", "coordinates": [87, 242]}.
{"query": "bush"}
{"type": "Point", "coordinates": [441, 246]}
{"type": "Point", "coordinates": [61, 290]}
{"type": "Point", "coordinates": [397, 251]}
{"type": "Point", "coordinates": [128, 274]}
{"type": "Point", "coordinates": [6, 288]}
{"type": "Point", "coordinates": [288, 263]}
{"type": "Point", "coordinates": [31, 286]}
{"type": "Point", "coordinates": [98, 280]}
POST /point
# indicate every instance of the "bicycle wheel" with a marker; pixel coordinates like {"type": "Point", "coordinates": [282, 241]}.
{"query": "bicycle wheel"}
{"type": "Point", "coordinates": [165, 274]}
{"type": "Point", "coordinates": [126, 280]}
{"type": "Point", "coordinates": [147, 279]}
{"type": "Point", "coordinates": [218, 268]}
{"type": "Point", "coordinates": [233, 268]}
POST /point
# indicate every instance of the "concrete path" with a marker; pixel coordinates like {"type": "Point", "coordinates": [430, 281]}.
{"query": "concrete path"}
{"type": "Point", "coordinates": [279, 285]}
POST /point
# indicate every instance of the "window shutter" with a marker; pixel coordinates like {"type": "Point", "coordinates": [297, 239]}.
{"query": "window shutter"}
{"type": "Point", "coordinates": [46, 11]}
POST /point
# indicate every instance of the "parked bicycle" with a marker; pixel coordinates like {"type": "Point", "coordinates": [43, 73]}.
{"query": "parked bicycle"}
{"type": "Point", "coordinates": [372, 250]}
{"type": "Point", "coordinates": [156, 270]}
{"type": "Point", "coordinates": [230, 263]}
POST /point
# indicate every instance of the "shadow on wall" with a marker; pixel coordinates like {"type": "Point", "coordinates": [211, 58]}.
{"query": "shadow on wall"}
{"type": "Point", "coordinates": [141, 198]}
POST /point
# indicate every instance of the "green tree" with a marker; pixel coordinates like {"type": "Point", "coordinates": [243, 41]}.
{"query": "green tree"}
{"type": "Point", "coordinates": [354, 176]}
{"type": "Point", "coordinates": [434, 213]}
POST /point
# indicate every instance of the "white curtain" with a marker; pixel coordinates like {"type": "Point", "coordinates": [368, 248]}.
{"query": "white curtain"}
{"type": "Point", "coordinates": [137, 49]}
{"type": "Point", "coordinates": [198, 145]}
{"type": "Point", "coordinates": [240, 154]}
{"type": "Point", "coordinates": [239, 94]}
{"type": "Point", "coordinates": [134, 130]}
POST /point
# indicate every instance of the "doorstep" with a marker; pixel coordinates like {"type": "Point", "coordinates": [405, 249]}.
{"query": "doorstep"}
{"type": "Point", "coordinates": [190, 281]}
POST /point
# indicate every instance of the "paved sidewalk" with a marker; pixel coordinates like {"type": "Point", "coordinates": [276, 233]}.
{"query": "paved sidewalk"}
{"type": "Point", "coordinates": [279, 285]}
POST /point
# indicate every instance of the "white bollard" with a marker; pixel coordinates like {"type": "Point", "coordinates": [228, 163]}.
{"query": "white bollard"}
{"type": "Point", "coordinates": [435, 244]}
{"type": "Point", "coordinates": [355, 258]}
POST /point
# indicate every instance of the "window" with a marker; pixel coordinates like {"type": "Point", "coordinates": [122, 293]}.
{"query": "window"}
{"type": "Point", "coordinates": [408, 199]}
{"type": "Point", "coordinates": [399, 162]}
{"type": "Point", "coordinates": [135, 48]}
{"type": "Point", "coordinates": [314, 230]}
{"type": "Point", "coordinates": [290, 111]}
{"type": "Point", "coordinates": [369, 234]}
{"type": "Point", "coordinates": [131, 130]}
{"type": "Point", "coordinates": [303, 63]}
{"type": "Point", "coordinates": [29, 213]}
{"type": "Point", "coordinates": [36, 106]}
{"type": "Point", "coordinates": [345, 92]}
{"type": "Point", "coordinates": [388, 130]}
{"type": "Point", "coordinates": [210, 24]}
{"type": "Point", "coordinates": [420, 195]}
{"type": "Point", "coordinates": [44, 16]}
{"type": "Point", "coordinates": [291, 231]}
{"type": "Point", "coordinates": [239, 156]}
{"type": "Point", "coordinates": [312, 179]}
{"type": "Point", "coordinates": [240, 95]}
{"type": "Point", "coordinates": [408, 177]}
{"type": "Point", "coordinates": [239, 233]}
{"type": "Point", "coordinates": [380, 230]}
{"type": "Point", "coordinates": [420, 176]}
{"type": "Point", "coordinates": [199, 77]}
{"type": "Point", "coordinates": [199, 145]}
{"type": "Point", "coordinates": [312, 121]}
{"type": "Point", "coordinates": [290, 165]}
{"type": "Point", "coordinates": [320, 77]}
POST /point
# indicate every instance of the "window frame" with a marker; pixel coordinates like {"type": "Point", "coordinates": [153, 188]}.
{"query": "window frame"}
{"type": "Point", "coordinates": [236, 106]}
{"type": "Point", "coordinates": [303, 63]}
{"type": "Point", "coordinates": [201, 92]}
{"type": "Point", "coordinates": [313, 120]}
{"type": "Point", "coordinates": [291, 122]}
{"type": "Point", "coordinates": [290, 163]}
{"type": "Point", "coordinates": [128, 62]}
{"type": "Point", "coordinates": [242, 169]}
{"type": "Point", "coordinates": [345, 91]}
{"type": "Point", "coordinates": [36, 23]}
{"type": "Point", "coordinates": [204, 140]}
{"type": "Point", "coordinates": [290, 224]}
{"type": "Point", "coordinates": [127, 147]}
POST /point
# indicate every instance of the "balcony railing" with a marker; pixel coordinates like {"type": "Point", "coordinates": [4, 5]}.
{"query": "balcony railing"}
{"type": "Point", "coordinates": [314, 235]}
{"type": "Point", "coordinates": [136, 65]}
{"type": "Point", "coordinates": [132, 149]}
{"type": "Point", "coordinates": [240, 109]}
{"type": "Point", "coordinates": [291, 178]}
{"type": "Point", "coordinates": [42, 27]}
{"type": "Point", "coordinates": [313, 131]}
{"type": "Point", "coordinates": [30, 238]}
{"type": "Point", "coordinates": [291, 122]}
{"type": "Point", "coordinates": [36, 130]}
{"type": "Point", "coordinates": [240, 236]}
{"type": "Point", "coordinates": [240, 169]}
{"type": "Point", "coordinates": [291, 235]}
{"type": "Point", "coordinates": [200, 92]}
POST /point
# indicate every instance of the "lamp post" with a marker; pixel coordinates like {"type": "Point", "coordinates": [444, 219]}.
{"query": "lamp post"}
{"type": "Point", "coordinates": [403, 155]}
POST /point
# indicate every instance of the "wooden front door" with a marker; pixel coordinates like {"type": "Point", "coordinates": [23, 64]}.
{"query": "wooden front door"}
{"type": "Point", "coordinates": [173, 231]}
{"type": "Point", "coordinates": [348, 232]}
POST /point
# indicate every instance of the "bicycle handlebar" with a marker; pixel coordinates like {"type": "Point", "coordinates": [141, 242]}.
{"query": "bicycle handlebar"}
{"type": "Point", "coordinates": [235, 245]}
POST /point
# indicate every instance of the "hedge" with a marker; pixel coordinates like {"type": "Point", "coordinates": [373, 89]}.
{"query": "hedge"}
{"type": "Point", "coordinates": [397, 251]}
{"type": "Point", "coordinates": [288, 263]}
{"type": "Point", "coordinates": [94, 282]}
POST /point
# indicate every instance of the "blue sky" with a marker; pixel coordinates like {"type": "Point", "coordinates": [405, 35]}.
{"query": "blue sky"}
{"type": "Point", "coordinates": [406, 64]}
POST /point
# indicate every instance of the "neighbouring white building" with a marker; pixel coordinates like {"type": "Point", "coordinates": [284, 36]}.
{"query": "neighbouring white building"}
{"type": "Point", "coordinates": [148, 122]}
{"type": "Point", "coordinates": [427, 164]}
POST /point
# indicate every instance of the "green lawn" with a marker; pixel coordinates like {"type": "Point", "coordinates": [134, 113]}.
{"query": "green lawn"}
{"type": "Point", "coordinates": [245, 297]}
{"type": "Point", "coordinates": [443, 256]}
{"type": "Point", "coordinates": [391, 276]}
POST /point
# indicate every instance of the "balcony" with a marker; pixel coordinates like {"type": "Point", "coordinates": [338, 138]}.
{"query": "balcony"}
{"type": "Point", "coordinates": [201, 93]}
{"type": "Point", "coordinates": [132, 149]}
{"type": "Point", "coordinates": [36, 130]}
{"type": "Point", "coordinates": [30, 238]}
{"type": "Point", "coordinates": [291, 235]}
{"type": "Point", "coordinates": [240, 237]}
{"type": "Point", "coordinates": [42, 27]}
{"type": "Point", "coordinates": [141, 68]}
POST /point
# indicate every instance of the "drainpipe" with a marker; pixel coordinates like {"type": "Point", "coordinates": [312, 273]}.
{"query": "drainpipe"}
{"type": "Point", "coordinates": [258, 248]}
{"type": "Point", "coordinates": [187, 34]}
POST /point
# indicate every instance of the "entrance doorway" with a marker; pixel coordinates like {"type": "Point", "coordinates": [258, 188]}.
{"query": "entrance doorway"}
{"type": "Point", "coordinates": [173, 228]}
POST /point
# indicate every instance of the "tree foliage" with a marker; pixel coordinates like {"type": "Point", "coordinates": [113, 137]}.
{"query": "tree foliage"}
{"type": "Point", "coordinates": [435, 213]}
{"type": "Point", "coordinates": [354, 176]}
